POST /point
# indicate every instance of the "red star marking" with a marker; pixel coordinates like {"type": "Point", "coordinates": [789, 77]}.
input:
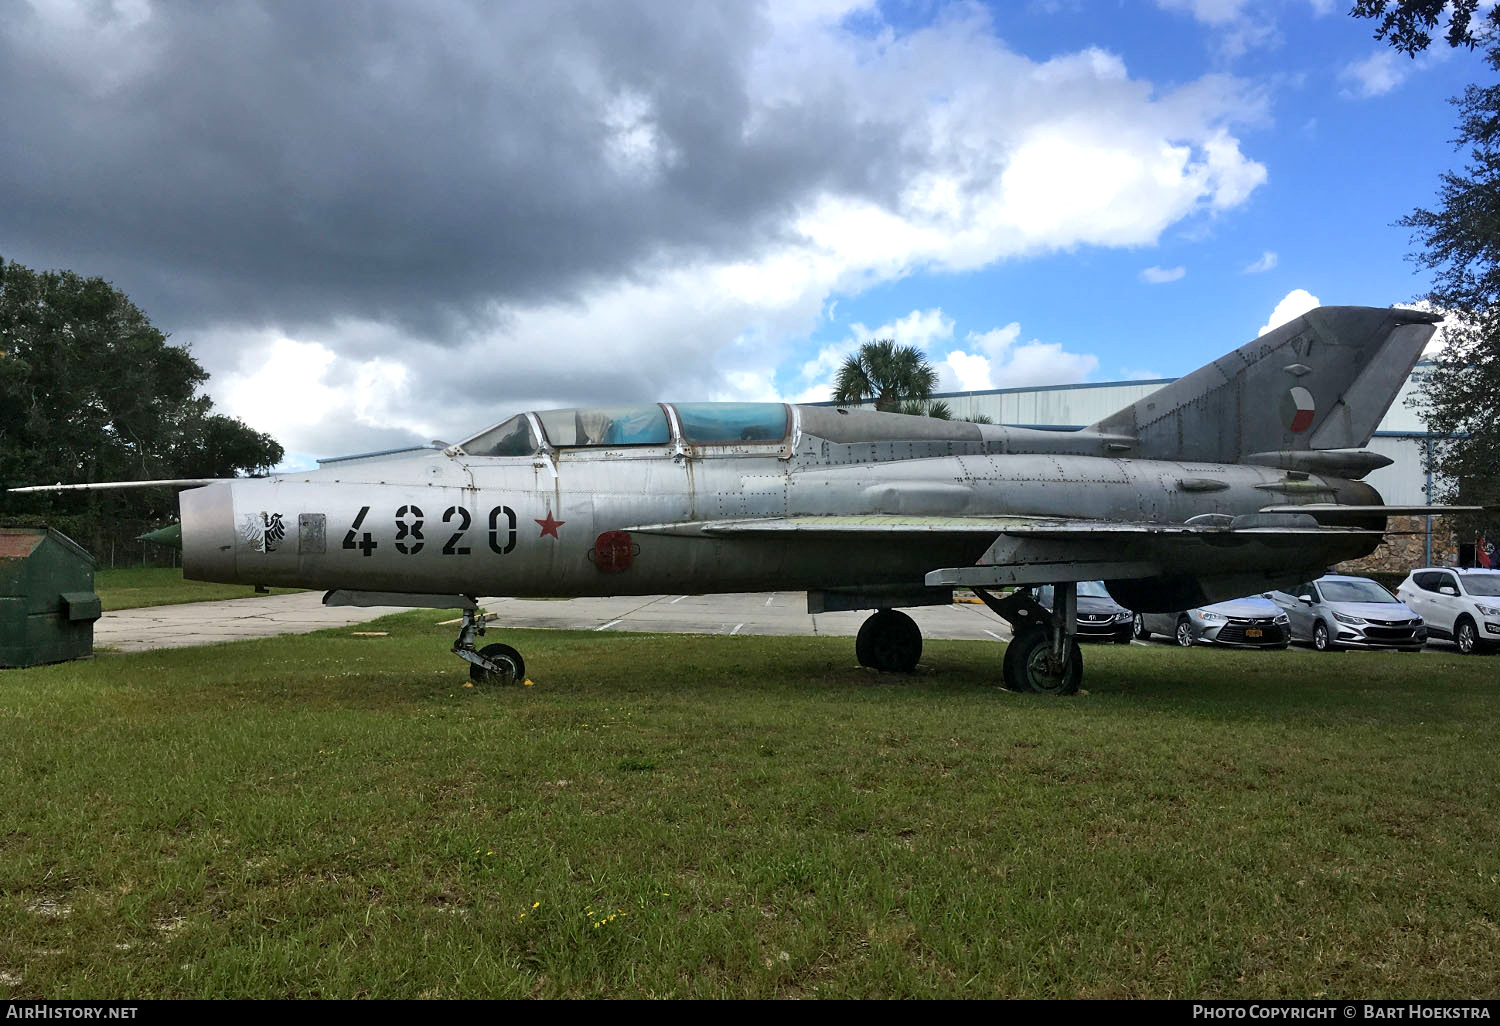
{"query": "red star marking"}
{"type": "Point", "coordinates": [550, 526]}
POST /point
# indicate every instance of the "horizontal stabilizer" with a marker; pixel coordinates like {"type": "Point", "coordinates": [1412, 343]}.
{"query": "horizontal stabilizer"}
{"type": "Point", "coordinates": [1352, 464]}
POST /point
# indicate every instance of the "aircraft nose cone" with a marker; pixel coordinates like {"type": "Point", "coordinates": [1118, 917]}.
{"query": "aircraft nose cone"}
{"type": "Point", "coordinates": [208, 533]}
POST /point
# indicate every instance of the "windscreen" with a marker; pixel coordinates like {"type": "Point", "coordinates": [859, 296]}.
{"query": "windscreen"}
{"type": "Point", "coordinates": [1093, 589]}
{"type": "Point", "coordinates": [607, 425]}
{"type": "Point", "coordinates": [1354, 591]}
{"type": "Point", "coordinates": [513, 438]}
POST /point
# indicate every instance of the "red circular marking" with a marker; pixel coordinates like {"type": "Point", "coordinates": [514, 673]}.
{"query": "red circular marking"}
{"type": "Point", "coordinates": [613, 552]}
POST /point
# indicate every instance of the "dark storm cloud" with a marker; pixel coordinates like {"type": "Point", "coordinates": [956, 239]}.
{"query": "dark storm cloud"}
{"type": "Point", "coordinates": [294, 163]}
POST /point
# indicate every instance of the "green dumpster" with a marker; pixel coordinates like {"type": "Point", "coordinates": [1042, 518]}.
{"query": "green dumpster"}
{"type": "Point", "coordinates": [47, 601]}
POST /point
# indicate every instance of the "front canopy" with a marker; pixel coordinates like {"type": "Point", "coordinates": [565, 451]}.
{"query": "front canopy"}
{"type": "Point", "coordinates": [702, 424]}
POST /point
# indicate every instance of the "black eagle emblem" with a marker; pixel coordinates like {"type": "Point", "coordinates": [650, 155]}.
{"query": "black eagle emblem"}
{"type": "Point", "coordinates": [275, 530]}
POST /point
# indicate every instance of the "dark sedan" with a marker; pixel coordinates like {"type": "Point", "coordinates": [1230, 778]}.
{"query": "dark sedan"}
{"type": "Point", "coordinates": [1100, 618]}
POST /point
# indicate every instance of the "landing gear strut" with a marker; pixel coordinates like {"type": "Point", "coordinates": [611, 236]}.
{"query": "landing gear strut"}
{"type": "Point", "coordinates": [493, 664]}
{"type": "Point", "coordinates": [1043, 655]}
{"type": "Point", "coordinates": [889, 641]}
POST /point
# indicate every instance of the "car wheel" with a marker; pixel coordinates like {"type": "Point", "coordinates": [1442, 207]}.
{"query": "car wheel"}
{"type": "Point", "coordinates": [1138, 628]}
{"type": "Point", "coordinates": [1184, 635]}
{"type": "Point", "coordinates": [1321, 641]}
{"type": "Point", "coordinates": [1466, 636]}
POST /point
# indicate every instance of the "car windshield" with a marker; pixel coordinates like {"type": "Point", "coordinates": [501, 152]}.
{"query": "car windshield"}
{"type": "Point", "coordinates": [1354, 591]}
{"type": "Point", "coordinates": [607, 425]}
{"type": "Point", "coordinates": [1482, 584]}
{"type": "Point", "coordinates": [1093, 589]}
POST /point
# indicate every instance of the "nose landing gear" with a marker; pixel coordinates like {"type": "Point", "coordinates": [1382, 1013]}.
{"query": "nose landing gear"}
{"type": "Point", "coordinates": [493, 664]}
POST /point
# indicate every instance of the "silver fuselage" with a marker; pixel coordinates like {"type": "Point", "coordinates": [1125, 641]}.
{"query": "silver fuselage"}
{"type": "Point", "coordinates": [550, 523]}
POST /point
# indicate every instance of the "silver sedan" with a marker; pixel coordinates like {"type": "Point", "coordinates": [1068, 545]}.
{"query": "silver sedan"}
{"type": "Point", "coordinates": [1239, 623]}
{"type": "Point", "coordinates": [1337, 612]}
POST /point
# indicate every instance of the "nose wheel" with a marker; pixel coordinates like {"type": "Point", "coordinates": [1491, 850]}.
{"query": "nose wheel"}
{"type": "Point", "coordinates": [493, 664]}
{"type": "Point", "coordinates": [512, 668]}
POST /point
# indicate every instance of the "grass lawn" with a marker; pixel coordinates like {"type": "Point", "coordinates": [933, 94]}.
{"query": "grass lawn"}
{"type": "Point", "coordinates": [163, 586]}
{"type": "Point", "coordinates": [326, 815]}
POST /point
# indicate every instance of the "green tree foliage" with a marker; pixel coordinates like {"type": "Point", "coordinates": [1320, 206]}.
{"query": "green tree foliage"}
{"type": "Point", "coordinates": [1460, 240]}
{"type": "Point", "coordinates": [90, 391]}
{"type": "Point", "coordinates": [887, 373]}
{"type": "Point", "coordinates": [898, 378]}
{"type": "Point", "coordinates": [1408, 24]}
{"type": "Point", "coordinates": [937, 409]}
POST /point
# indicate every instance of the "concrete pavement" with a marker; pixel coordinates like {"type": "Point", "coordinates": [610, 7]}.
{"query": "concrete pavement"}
{"type": "Point", "coordinates": [771, 613]}
{"type": "Point", "coordinates": [778, 613]}
{"type": "Point", "coordinates": [204, 623]}
{"type": "Point", "coordinates": [774, 613]}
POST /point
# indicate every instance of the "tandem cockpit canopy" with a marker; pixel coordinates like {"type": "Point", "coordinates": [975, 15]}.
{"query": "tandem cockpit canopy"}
{"type": "Point", "coordinates": [612, 426]}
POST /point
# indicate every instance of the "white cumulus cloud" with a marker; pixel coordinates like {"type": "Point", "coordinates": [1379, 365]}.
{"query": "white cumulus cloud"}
{"type": "Point", "coordinates": [1162, 275]}
{"type": "Point", "coordinates": [1293, 305]}
{"type": "Point", "coordinates": [985, 155]}
{"type": "Point", "coordinates": [998, 359]}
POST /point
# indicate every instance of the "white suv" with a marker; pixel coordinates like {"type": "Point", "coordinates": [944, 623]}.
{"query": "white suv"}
{"type": "Point", "coordinates": [1460, 604]}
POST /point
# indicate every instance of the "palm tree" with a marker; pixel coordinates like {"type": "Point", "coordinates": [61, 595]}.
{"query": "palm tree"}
{"type": "Point", "coordinates": [888, 373]}
{"type": "Point", "coordinates": [937, 409]}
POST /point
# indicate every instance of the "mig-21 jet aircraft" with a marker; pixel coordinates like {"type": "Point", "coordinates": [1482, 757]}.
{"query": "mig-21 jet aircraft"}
{"type": "Point", "coordinates": [1240, 477]}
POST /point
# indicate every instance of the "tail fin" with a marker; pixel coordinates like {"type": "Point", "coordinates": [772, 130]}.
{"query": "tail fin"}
{"type": "Point", "coordinates": [1322, 381]}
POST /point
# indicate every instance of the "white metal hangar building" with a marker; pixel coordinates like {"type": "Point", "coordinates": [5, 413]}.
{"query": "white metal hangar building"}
{"type": "Point", "coordinates": [1401, 436]}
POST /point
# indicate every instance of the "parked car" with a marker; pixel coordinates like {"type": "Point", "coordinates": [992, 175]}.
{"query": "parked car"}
{"type": "Point", "coordinates": [1463, 605]}
{"type": "Point", "coordinates": [1337, 612]}
{"type": "Point", "coordinates": [1251, 622]}
{"type": "Point", "coordinates": [1100, 618]}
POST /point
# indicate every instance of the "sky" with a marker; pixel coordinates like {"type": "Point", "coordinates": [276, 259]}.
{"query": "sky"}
{"type": "Point", "coordinates": [386, 223]}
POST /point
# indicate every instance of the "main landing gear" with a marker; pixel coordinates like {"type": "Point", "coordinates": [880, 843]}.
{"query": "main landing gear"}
{"type": "Point", "coordinates": [1042, 657]}
{"type": "Point", "coordinates": [493, 664]}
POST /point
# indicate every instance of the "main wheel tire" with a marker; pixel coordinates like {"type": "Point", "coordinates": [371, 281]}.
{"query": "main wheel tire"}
{"type": "Point", "coordinates": [1322, 641]}
{"type": "Point", "coordinates": [1184, 633]}
{"type": "Point", "coordinates": [889, 641]}
{"type": "Point", "coordinates": [504, 655]}
{"type": "Point", "coordinates": [1466, 636]}
{"type": "Point", "coordinates": [1028, 666]}
{"type": "Point", "coordinates": [1138, 628]}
